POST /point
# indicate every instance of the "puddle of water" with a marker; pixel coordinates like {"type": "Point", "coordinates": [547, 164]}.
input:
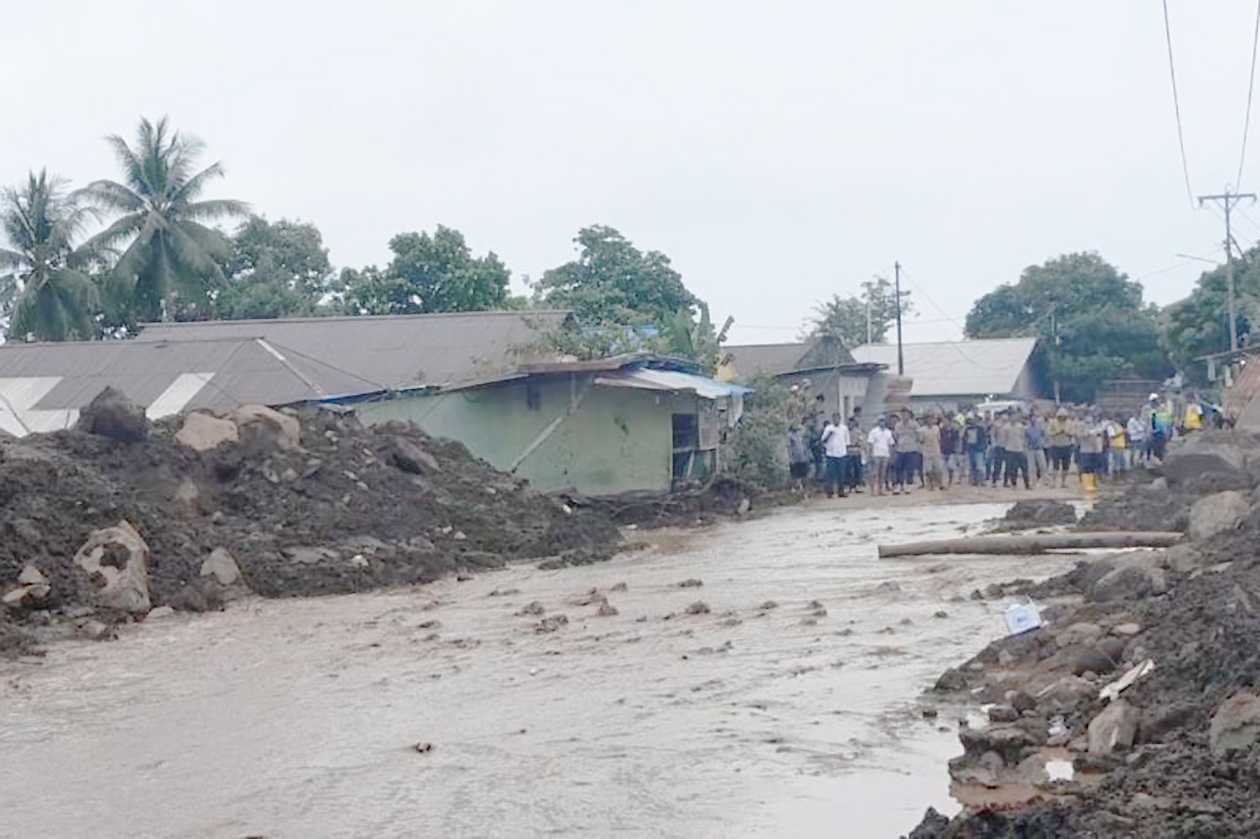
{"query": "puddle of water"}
{"type": "Point", "coordinates": [299, 718]}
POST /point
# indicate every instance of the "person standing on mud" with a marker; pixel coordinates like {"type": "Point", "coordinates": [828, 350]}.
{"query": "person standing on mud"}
{"type": "Point", "coordinates": [951, 447]}
{"type": "Point", "coordinates": [817, 422]}
{"type": "Point", "coordinates": [1037, 443]}
{"type": "Point", "coordinates": [907, 453]}
{"type": "Point", "coordinates": [853, 466]}
{"type": "Point", "coordinates": [799, 457]}
{"type": "Point", "coordinates": [1060, 436]}
{"type": "Point", "coordinates": [997, 457]}
{"type": "Point", "coordinates": [975, 440]}
{"type": "Point", "coordinates": [880, 441]}
{"type": "Point", "coordinates": [933, 458]}
{"type": "Point", "coordinates": [1091, 438]}
{"type": "Point", "coordinates": [1118, 445]}
{"type": "Point", "coordinates": [1016, 452]}
{"type": "Point", "coordinates": [835, 440]}
{"type": "Point", "coordinates": [1136, 434]}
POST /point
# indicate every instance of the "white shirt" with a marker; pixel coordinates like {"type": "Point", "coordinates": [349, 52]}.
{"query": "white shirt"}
{"type": "Point", "coordinates": [881, 440]}
{"type": "Point", "coordinates": [835, 439]}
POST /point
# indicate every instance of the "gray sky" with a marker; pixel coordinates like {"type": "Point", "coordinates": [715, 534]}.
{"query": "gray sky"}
{"type": "Point", "coordinates": [778, 153]}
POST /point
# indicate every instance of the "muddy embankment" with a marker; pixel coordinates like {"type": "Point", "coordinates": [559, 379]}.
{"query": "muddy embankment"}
{"type": "Point", "coordinates": [1143, 682]}
{"type": "Point", "coordinates": [105, 522]}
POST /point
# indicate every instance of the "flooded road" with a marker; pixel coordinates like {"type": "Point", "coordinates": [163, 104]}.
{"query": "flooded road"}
{"type": "Point", "coordinates": [768, 715]}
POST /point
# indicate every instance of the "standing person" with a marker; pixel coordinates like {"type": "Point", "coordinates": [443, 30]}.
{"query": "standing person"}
{"type": "Point", "coordinates": [1090, 439]}
{"type": "Point", "coordinates": [1193, 419]}
{"type": "Point", "coordinates": [1038, 441]}
{"type": "Point", "coordinates": [1136, 434]}
{"type": "Point", "coordinates": [1161, 427]}
{"type": "Point", "coordinates": [1016, 452]}
{"type": "Point", "coordinates": [933, 458]}
{"type": "Point", "coordinates": [907, 453]}
{"type": "Point", "coordinates": [818, 422]}
{"type": "Point", "coordinates": [1060, 435]}
{"type": "Point", "coordinates": [854, 464]}
{"type": "Point", "coordinates": [1118, 445]}
{"type": "Point", "coordinates": [881, 442]}
{"type": "Point", "coordinates": [998, 457]}
{"type": "Point", "coordinates": [835, 440]}
{"type": "Point", "coordinates": [975, 440]}
{"type": "Point", "coordinates": [799, 457]}
{"type": "Point", "coordinates": [951, 447]}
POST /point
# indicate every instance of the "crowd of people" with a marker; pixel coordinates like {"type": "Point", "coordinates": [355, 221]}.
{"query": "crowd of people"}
{"type": "Point", "coordinates": [903, 451]}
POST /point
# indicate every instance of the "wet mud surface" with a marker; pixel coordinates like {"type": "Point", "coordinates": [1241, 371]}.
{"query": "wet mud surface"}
{"type": "Point", "coordinates": [581, 701]}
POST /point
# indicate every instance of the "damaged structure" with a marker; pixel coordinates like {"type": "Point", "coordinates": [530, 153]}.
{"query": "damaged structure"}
{"type": "Point", "coordinates": [489, 380]}
{"type": "Point", "coordinates": [823, 366]}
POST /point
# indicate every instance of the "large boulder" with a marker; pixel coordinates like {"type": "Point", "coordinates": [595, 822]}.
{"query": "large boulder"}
{"type": "Point", "coordinates": [115, 561]}
{"type": "Point", "coordinates": [202, 432]}
{"type": "Point", "coordinates": [409, 457]}
{"type": "Point", "coordinates": [1039, 513]}
{"type": "Point", "coordinates": [1217, 513]}
{"type": "Point", "coordinates": [258, 422]}
{"type": "Point", "coordinates": [111, 414]}
{"type": "Point", "coordinates": [1199, 456]}
{"type": "Point", "coordinates": [1114, 728]}
{"type": "Point", "coordinates": [221, 576]}
{"type": "Point", "coordinates": [1236, 723]}
{"type": "Point", "coordinates": [1128, 581]}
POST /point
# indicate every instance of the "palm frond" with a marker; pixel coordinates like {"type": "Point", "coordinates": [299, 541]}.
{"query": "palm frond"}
{"type": "Point", "coordinates": [193, 186]}
{"type": "Point", "coordinates": [112, 195]}
{"type": "Point", "coordinates": [132, 166]}
{"type": "Point", "coordinates": [218, 208]}
{"type": "Point", "coordinates": [212, 241]}
{"type": "Point", "coordinates": [13, 259]}
{"type": "Point", "coordinates": [120, 230]}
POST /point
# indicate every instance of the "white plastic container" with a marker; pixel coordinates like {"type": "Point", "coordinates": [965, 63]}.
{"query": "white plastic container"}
{"type": "Point", "coordinates": [1021, 617]}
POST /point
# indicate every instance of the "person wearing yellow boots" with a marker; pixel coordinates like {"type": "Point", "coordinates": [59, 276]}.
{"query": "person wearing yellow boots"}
{"type": "Point", "coordinates": [1091, 443]}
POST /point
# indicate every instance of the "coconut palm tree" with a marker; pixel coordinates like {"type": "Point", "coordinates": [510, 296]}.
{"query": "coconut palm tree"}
{"type": "Point", "coordinates": [56, 300]}
{"type": "Point", "coordinates": [170, 261]}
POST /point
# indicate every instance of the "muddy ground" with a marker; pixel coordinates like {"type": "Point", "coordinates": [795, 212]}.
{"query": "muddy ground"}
{"type": "Point", "coordinates": [339, 514]}
{"type": "Point", "coordinates": [1164, 768]}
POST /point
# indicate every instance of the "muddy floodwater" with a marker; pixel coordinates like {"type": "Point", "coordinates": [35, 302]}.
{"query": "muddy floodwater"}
{"type": "Point", "coordinates": [300, 718]}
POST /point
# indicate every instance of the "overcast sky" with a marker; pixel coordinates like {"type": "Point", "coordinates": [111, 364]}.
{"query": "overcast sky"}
{"type": "Point", "coordinates": [778, 153]}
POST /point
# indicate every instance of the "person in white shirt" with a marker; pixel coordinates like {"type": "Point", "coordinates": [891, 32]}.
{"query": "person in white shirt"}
{"type": "Point", "coordinates": [880, 441]}
{"type": "Point", "coordinates": [835, 441]}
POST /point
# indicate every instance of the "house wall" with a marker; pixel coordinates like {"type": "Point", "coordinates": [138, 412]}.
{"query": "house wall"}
{"type": "Point", "coordinates": [843, 392]}
{"type": "Point", "coordinates": [618, 440]}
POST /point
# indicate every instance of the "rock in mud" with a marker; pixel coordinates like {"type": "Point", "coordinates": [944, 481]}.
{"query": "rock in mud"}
{"type": "Point", "coordinates": [951, 680]}
{"type": "Point", "coordinates": [32, 576]}
{"type": "Point", "coordinates": [697, 608]}
{"type": "Point", "coordinates": [606, 610]}
{"type": "Point", "coordinates": [95, 630]}
{"type": "Point", "coordinates": [1236, 723]}
{"type": "Point", "coordinates": [222, 566]}
{"type": "Point", "coordinates": [203, 432]}
{"type": "Point", "coordinates": [1217, 513]}
{"type": "Point", "coordinates": [534, 609]}
{"type": "Point", "coordinates": [1199, 456]}
{"type": "Point", "coordinates": [1114, 728]}
{"type": "Point", "coordinates": [1039, 514]}
{"type": "Point", "coordinates": [1003, 713]}
{"type": "Point", "coordinates": [1078, 633]}
{"type": "Point", "coordinates": [409, 457]}
{"type": "Point", "coordinates": [550, 624]}
{"type": "Point", "coordinates": [115, 563]}
{"type": "Point", "coordinates": [111, 414]}
{"type": "Point", "coordinates": [619, 587]}
{"type": "Point", "coordinates": [691, 583]}
{"type": "Point", "coordinates": [1129, 581]}
{"type": "Point", "coordinates": [261, 425]}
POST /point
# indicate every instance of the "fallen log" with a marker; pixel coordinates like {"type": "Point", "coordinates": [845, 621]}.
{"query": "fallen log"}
{"type": "Point", "coordinates": [1032, 543]}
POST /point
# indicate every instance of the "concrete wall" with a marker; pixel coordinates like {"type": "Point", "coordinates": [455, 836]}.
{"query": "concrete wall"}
{"type": "Point", "coordinates": [618, 440]}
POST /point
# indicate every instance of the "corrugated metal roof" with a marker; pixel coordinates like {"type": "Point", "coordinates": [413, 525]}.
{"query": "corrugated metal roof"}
{"type": "Point", "coordinates": [956, 368]}
{"type": "Point", "coordinates": [43, 386]}
{"type": "Point", "coordinates": [765, 359]}
{"type": "Point", "coordinates": [396, 351]}
{"type": "Point", "coordinates": [670, 380]}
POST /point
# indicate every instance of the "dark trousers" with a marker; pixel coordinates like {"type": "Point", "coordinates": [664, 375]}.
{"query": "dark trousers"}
{"type": "Point", "coordinates": [853, 471]}
{"type": "Point", "coordinates": [975, 459]}
{"type": "Point", "coordinates": [835, 477]}
{"type": "Point", "coordinates": [998, 464]}
{"type": "Point", "coordinates": [1016, 463]}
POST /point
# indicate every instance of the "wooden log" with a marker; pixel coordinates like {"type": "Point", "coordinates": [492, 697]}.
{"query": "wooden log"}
{"type": "Point", "coordinates": [1033, 543]}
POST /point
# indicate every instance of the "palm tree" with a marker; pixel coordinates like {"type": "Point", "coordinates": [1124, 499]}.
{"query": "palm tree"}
{"type": "Point", "coordinates": [171, 259]}
{"type": "Point", "coordinates": [56, 300]}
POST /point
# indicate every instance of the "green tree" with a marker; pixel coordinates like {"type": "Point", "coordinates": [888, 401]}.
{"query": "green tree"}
{"type": "Point", "coordinates": [278, 269]}
{"type": "Point", "coordinates": [847, 318]}
{"type": "Point", "coordinates": [52, 294]}
{"type": "Point", "coordinates": [1199, 324]}
{"type": "Point", "coordinates": [170, 263]}
{"type": "Point", "coordinates": [613, 282]}
{"type": "Point", "coordinates": [1090, 316]}
{"type": "Point", "coordinates": [429, 273]}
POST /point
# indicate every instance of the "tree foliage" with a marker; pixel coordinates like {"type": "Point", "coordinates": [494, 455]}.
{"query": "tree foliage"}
{"type": "Point", "coordinates": [170, 262]}
{"type": "Point", "coordinates": [49, 288]}
{"type": "Point", "coordinates": [429, 273]}
{"type": "Point", "coordinates": [274, 270]}
{"type": "Point", "coordinates": [1090, 316]}
{"type": "Point", "coordinates": [1199, 324]}
{"type": "Point", "coordinates": [847, 318]}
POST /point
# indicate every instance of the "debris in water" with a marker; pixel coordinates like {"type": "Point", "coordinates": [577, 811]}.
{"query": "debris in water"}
{"type": "Point", "coordinates": [691, 583]}
{"type": "Point", "coordinates": [424, 748]}
{"type": "Point", "coordinates": [698, 608]}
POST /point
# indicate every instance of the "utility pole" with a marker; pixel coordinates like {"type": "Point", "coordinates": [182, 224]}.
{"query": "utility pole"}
{"type": "Point", "coordinates": [869, 330]}
{"type": "Point", "coordinates": [901, 361]}
{"type": "Point", "coordinates": [1228, 200]}
{"type": "Point", "coordinates": [1054, 336]}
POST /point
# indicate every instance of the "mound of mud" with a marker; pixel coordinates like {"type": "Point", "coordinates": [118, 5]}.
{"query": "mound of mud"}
{"type": "Point", "coordinates": [351, 509]}
{"type": "Point", "coordinates": [1141, 506]}
{"type": "Point", "coordinates": [1028, 514]}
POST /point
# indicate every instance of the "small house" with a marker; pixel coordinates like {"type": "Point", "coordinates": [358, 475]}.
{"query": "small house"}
{"type": "Point", "coordinates": [822, 365]}
{"type": "Point", "coordinates": [947, 374]}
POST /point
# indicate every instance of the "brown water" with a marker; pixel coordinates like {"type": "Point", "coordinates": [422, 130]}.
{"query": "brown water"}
{"type": "Point", "coordinates": [299, 718]}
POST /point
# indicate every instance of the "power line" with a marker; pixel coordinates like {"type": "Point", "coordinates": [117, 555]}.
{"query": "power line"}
{"type": "Point", "coordinates": [1172, 74]}
{"type": "Point", "coordinates": [1251, 84]}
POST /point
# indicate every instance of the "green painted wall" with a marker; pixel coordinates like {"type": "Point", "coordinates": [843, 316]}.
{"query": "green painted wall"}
{"type": "Point", "coordinates": [620, 439]}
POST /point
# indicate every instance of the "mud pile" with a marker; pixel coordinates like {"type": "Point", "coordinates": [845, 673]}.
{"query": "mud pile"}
{"type": "Point", "coordinates": [348, 509]}
{"type": "Point", "coordinates": [1176, 752]}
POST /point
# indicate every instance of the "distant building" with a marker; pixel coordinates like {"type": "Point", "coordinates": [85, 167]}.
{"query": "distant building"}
{"type": "Point", "coordinates": [487, 379]}
{"type": "Point", "coordinates": [822, 365]}
{"type": "Point", "coordinates": [946, 374]}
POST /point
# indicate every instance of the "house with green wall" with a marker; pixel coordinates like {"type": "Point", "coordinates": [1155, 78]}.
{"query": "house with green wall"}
{"type": "Point", "coordinates": [632, 423]}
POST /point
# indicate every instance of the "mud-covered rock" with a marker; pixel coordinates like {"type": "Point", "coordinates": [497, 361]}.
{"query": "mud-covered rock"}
{"type": "Point", "coordinates": [1236, 723]}
{"type": "Point", "coordinates": [409, 457]}
{"type": "Point", "coordinates": [111, 414]}
{"type": "Point", "coordinates": [1199, 456]}
{"type": "Point", "coordinates": [1217, 513]}
{"type": "Point", "coordinates": [1039, 513]}
{"type": "Point", "coordinates": [1129, 581]}
{"type": "Point", "coordinates": [115, 564]}
{"type": "Point", "coordinates": [1113, 728]}
{"type": "Point", "coordinates": [259, 424]}
{"type": "Point", "coordinates": [202, 432]}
